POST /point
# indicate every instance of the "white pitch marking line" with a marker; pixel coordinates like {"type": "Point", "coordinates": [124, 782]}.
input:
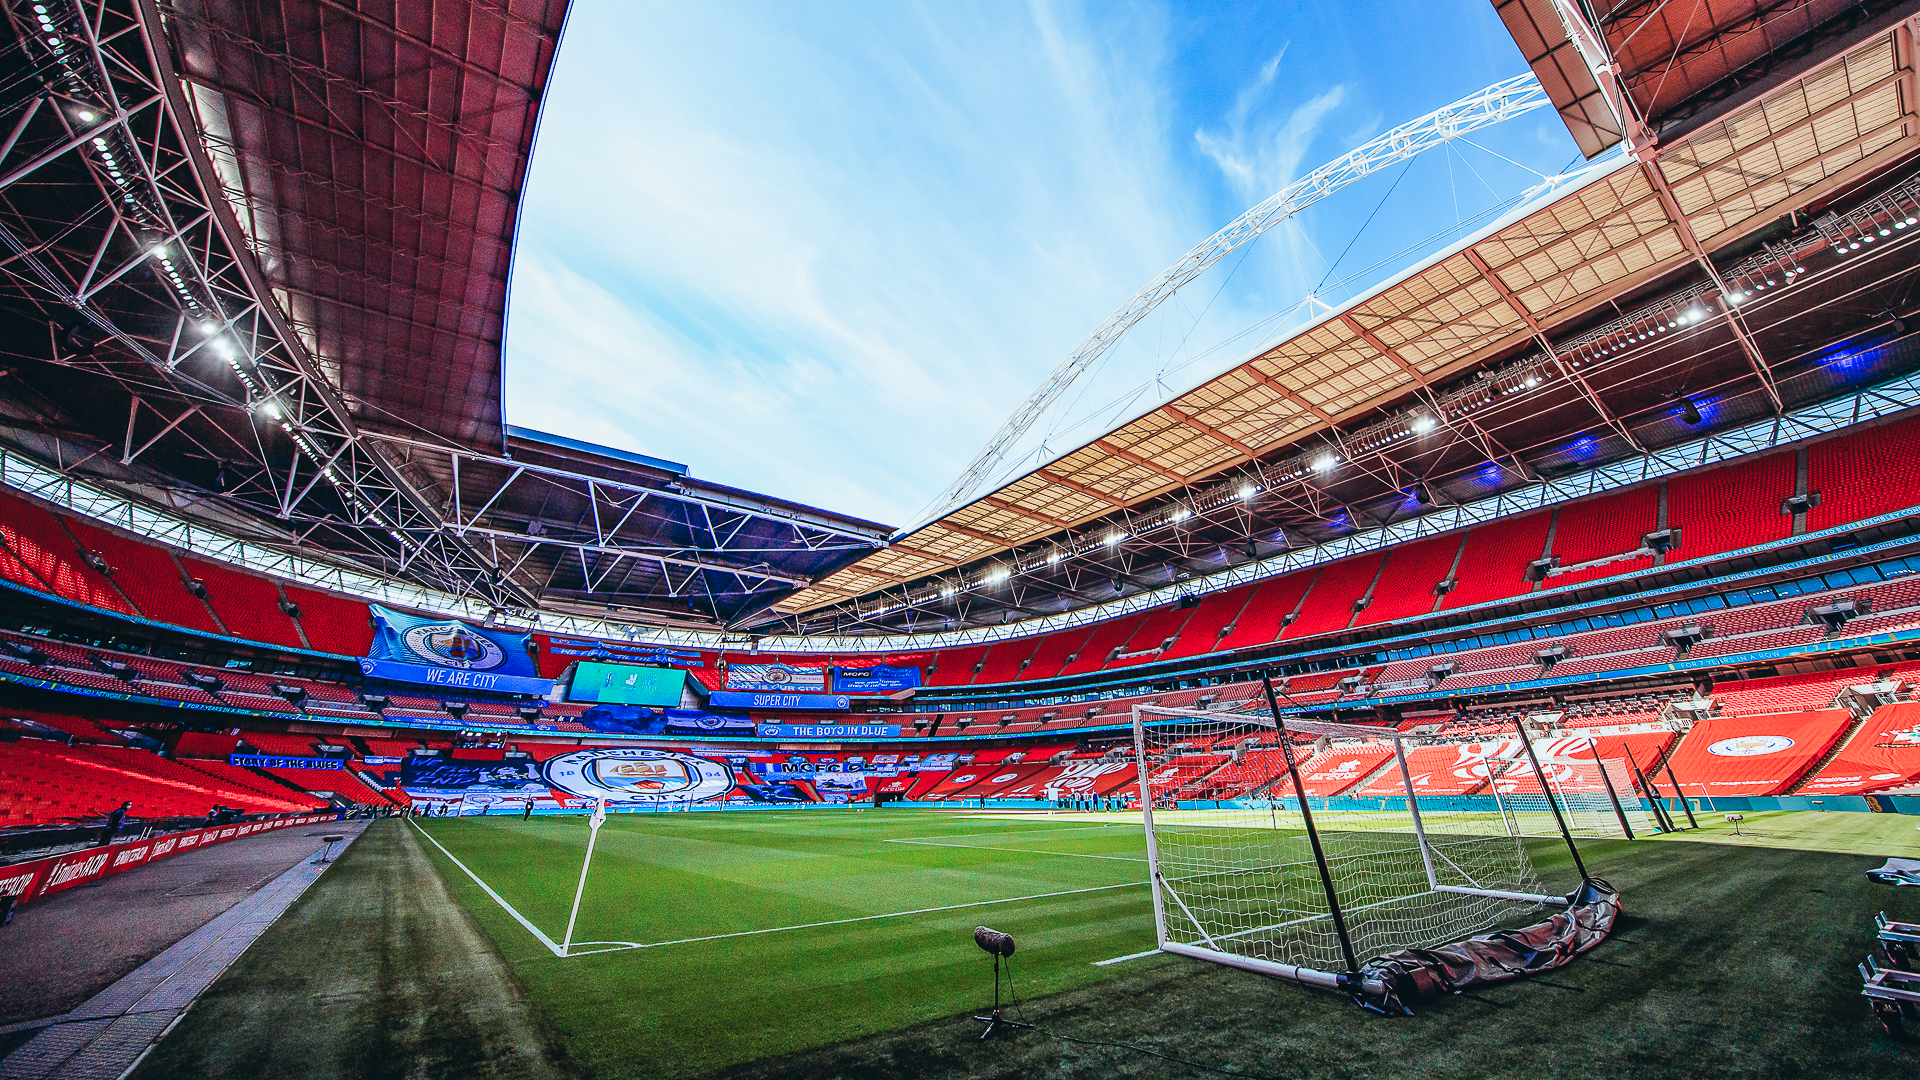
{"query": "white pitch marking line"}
{"type": "Point", "coordinates": [488, 889]}
{"type": "Point", "coordinates": [1124, 959]}
{"type": "Point", "coordinates": [621, 946]}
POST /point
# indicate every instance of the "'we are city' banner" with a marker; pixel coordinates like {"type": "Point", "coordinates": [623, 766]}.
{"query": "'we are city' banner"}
{"type": "Point", "coordinates": [448, 652]}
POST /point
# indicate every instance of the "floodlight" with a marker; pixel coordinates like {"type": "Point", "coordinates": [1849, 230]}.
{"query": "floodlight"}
{"type": "Point", "coordinates": [1325, 463]}
{"type": "Point", "coordinates": [1422, 425]}
{"type": "Point", "coordinates": [1689, 412]}
{"type": "Point", "coordinates": [1248, 491]}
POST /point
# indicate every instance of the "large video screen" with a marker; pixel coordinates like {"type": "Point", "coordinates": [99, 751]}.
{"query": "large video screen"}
{"type": "Point", "coordinates": [625, 684]}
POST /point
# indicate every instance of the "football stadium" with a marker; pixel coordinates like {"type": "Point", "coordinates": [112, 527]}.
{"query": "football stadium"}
{"type": "Point", "coordinates": [1499, 658]}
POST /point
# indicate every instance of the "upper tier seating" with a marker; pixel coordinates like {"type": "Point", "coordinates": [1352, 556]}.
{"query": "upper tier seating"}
{"type": "Point", "coordinates": [1730, 507]}
{"type": "Point", "coordinates": [1493, 564]}
{"type": "Point", "coordinates": [1106, 639]}
{"type": "Point", "coordinates": [45, 557]}
{"type": "Point", "coordinates": [1154, 631]}
{"type": "Point", "coordinates": [1329, 603]}
{"type": "Point", "coordinates": [1202, 631]}
{"type": "Point", "coordinates": [1053, 651]}
{"type": "Point", "coordinates": [1005, 661]}
{"type": "Point", "coordinates": [249, 606]}
{"type": "Point", "coordinates": [1864, 473]}
{"type": "Point", "coordinates": [955, 666]}
{"type": "Point", "coordinates": [149, 577]}
{"type": "Point", "coordinates": [334, 624]}
{"type": "Point", "coordinates": [1406, 584]}
{"type": "Point", "coordinates": [1270, 604]}
{"type": "Point", "coordinates": [1595, 528]}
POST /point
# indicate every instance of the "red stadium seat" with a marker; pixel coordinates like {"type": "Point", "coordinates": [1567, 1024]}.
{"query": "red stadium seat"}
{"type": "Point", "coordinates": [1329, 603]}
{"type": "Point", "coordinates": [1493, 564]}
{"type": "Point", "coordinates": [1730, 507]}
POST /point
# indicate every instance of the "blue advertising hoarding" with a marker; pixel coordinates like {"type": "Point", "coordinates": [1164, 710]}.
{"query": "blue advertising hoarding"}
{"type": "Point", "coordinates": [878, 679]}
{"type": "Point", "coordinates": [732, 699]}
{"type": "Point", "coordinates": [829, 731]}
{"type": "Point", "coordinates": [270, 761]}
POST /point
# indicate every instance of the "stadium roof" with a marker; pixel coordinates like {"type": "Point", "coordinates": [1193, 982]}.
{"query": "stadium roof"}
{"type": "Point", "coordinates": [1519, 302]}
{"type": "Point", "coordinates": [1682, 65]}
{"type": "Point", "coordinates": [258, 271]}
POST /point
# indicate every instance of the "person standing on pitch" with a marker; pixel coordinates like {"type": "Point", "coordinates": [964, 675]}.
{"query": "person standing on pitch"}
{"type": "Point", "coordinates": [527, 812]}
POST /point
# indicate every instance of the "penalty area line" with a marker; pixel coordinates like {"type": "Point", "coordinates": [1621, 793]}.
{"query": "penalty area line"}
{"type": "Point", "coordinates": [497, 898]}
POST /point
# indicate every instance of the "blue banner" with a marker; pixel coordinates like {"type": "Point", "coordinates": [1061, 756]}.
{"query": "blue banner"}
{"type": "Point", "coordinates": [456, 678]}
{"type": "Point", "coordinates": [588, 649]}
{"type": "Point", "coordinates": [777, 678]}
{"type": "Point", "coordinates": [263, 761]}
{"type": "Point", "coordinates": [829, 731]}
{"type": "Point", "coordinates": [640, 720]}
{"type": "Point", "coordinates": [421, 773]}
{"type": "Point", "coordinates": [730, 699]}
{"type": "Point", "coordinates": [878, 679]}
{"type": "Point", "coordinates": [447, 643]}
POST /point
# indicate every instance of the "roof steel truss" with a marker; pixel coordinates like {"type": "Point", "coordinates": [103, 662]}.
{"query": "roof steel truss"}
{"type": "Point", "coordinates": [157, 266]}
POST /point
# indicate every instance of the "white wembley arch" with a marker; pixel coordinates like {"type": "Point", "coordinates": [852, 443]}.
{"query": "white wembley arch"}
{"type": "Point", "coordinates": [1502, 101]}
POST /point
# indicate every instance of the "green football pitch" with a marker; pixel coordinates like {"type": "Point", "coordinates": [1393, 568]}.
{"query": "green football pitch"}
{"type": "Point", "coordinates": [834, 943]}
{"type": "Point", "coordinates": [783, 931]}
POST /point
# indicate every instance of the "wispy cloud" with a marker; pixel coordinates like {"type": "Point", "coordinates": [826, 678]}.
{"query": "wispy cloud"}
{"type": "Point", "coordinates": [827, 268]}
{"type": "Point", "coordinates": [1260, 149]}
{"type": "Point", "coordinates": [822, 250]}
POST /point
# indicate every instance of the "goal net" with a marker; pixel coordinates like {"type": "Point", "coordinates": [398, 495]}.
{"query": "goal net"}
{"type": "Point", "coordinates": [1597, 797]}
{"type": "Point", "coordinates": [1310, 892]}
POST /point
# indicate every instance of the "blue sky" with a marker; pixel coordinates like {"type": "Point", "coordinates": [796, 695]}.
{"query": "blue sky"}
{"type": "Point", "coordinates": [823, 250]}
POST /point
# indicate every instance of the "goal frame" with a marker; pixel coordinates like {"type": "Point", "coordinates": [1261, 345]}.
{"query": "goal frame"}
{"type": "Point", "coordinates": [1352, 980]}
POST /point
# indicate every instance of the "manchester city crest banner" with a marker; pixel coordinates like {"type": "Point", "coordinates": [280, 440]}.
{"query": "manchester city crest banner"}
{"type": "Point", "coordinates": [776, 679]}
{"type": "Point", "coordinates": [447, 652]}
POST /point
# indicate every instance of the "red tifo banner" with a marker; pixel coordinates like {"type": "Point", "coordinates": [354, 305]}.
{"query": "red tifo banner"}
{"type": "Point", "coordinates": [29, 881]}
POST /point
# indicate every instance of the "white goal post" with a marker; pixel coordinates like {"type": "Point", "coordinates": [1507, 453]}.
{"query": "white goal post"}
{"type": "Point", "coordinates": [1309, 889]}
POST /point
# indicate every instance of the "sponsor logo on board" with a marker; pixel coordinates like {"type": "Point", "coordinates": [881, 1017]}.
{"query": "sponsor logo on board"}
{"type": "Point", "coordinates": [18, 884]}
{"type": "Point", "coordinates": [81, 868]}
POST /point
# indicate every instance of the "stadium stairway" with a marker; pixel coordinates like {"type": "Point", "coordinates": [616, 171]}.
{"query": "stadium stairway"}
{"type": "Point", "coordinates": [1839, 746]}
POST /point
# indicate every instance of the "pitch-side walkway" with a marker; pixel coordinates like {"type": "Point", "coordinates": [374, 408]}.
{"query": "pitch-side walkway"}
{"type": "Point", "coordinates": [104, 1037]}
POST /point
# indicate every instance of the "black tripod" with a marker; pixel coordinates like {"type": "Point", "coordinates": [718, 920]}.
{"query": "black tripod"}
{"type": "Point", "coordinates": [994, 1019]}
